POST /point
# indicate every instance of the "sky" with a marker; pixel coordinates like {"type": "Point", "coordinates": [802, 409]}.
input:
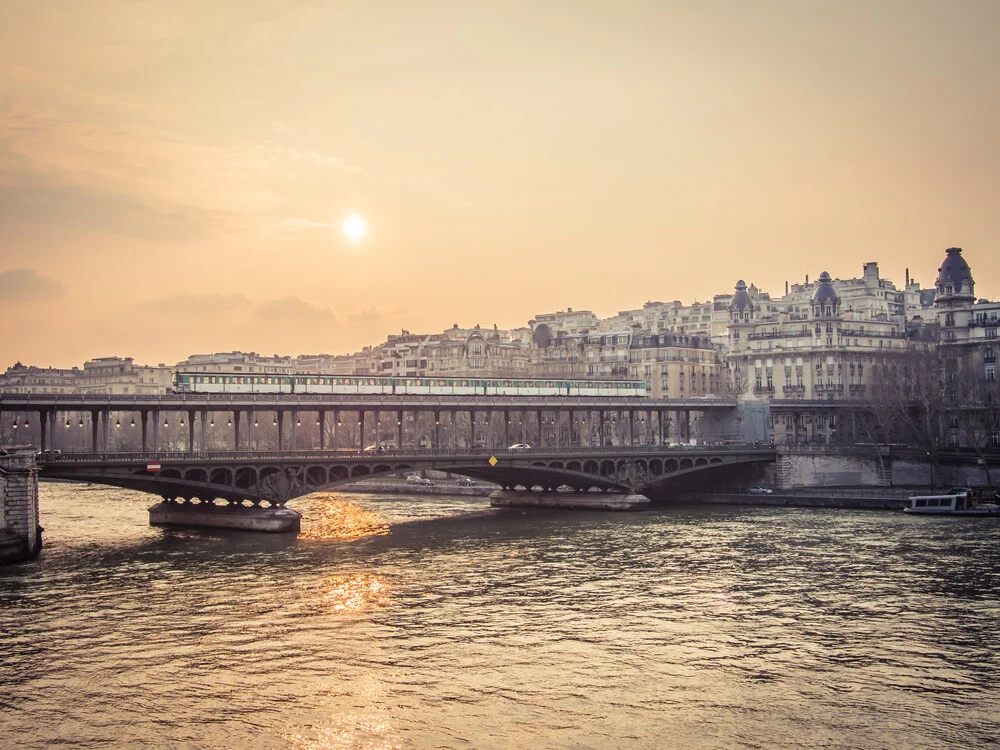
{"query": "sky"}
{"type": "Point", "coordinates": [174, 175]}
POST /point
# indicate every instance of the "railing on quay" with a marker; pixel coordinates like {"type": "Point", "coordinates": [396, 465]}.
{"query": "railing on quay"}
{"type": "Point", "coordinates": [374, 455]}
{"type": "Point", "coordinates": [121, 400]}
{"type": "Point", "coordinates": [880, 492]}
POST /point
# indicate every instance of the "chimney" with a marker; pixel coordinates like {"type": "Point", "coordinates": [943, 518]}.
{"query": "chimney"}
{"type": "Point", "coordinates": [786, 288]}
{"type": "Point", "coordinates": [807, 279]}
{"type": "Point", "coordinates": [907, 277]}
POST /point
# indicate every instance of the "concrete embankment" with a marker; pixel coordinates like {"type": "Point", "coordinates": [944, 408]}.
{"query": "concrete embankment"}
{"type": "Point", "coordinates": [567, 500]}
{"type": "Point", "coordinates": [817, 499]}
{"type": "Point", "coordinates": [271, 520]}
{"type": "Point", "coordinates": [404, 488]}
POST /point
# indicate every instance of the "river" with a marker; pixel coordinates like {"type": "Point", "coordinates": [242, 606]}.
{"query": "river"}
{"type": "Point", "coordinates": [436, 622]}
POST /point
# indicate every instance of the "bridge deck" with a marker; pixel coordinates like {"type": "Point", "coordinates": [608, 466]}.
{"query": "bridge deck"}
{"type": "Point", "coordinates": [306, 401]}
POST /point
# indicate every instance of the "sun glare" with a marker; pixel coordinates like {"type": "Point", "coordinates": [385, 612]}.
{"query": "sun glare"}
{"type": "Point", "coordinates": [354, 227]}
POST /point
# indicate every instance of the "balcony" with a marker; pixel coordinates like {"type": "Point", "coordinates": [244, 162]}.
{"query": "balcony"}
{"type": "Point", "coordinates": [829, 388]}
{"type": "Point", "coordinates": [793, 389]}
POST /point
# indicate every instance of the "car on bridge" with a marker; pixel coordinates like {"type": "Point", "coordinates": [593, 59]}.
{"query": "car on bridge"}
{"type": "Point", "coordinates": [419, 481]}
{"type": "Point", "coordinates": [465, 482]}
{"type": "Point", "coordinates": [760, 491]}
{"type": "Point", "coordinates": [519, 447]}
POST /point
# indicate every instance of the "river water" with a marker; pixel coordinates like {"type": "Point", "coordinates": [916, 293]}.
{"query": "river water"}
{"type": "Point", "coordinates": [436, 622]}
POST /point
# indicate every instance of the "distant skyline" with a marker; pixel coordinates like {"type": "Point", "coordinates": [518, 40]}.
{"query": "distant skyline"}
{"type": "Point", "coordinates": [174, 177]}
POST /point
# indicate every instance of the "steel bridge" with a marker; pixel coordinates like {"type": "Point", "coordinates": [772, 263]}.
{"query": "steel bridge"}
{"type": "Point", "coordinates": [275, 477]}
{"type": "Point", "coordinates": [328, 421]}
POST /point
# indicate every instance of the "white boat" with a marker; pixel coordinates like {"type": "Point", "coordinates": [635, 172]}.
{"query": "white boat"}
{"type": "Point", "coordinates": [958, 501]}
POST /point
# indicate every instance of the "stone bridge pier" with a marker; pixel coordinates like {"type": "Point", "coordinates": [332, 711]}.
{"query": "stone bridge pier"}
{"type": "Point", "coordinates": [20, 534]}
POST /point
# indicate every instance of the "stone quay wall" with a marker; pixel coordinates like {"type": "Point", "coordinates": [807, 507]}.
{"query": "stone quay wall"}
{"type": "Point", "coordinates": [831, 467]}
{"type": "Point", "coordinates": [20, 534]}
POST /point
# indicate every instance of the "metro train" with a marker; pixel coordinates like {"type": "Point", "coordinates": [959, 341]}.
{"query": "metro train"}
{"type": "Point", "coordinates": [216, 382]}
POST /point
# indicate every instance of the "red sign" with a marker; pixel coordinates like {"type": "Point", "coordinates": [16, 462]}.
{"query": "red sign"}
{"type": "Point", "coordinates": [153, 467]}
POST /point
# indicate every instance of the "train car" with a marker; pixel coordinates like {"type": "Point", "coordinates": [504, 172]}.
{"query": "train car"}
{"type": "Point", "coordinates": [209, 382]}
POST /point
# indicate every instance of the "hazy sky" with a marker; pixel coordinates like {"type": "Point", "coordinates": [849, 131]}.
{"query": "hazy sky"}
{"type": "Point", "coordinates": [173, 175]}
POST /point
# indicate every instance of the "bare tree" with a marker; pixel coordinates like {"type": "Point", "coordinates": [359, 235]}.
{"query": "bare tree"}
{"type": "Point", "coordinates": [975, 399]}
{"type": "Point", "coordinates": [909, 401]}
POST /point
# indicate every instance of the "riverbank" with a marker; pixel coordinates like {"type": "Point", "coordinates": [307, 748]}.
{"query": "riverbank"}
{"type": "Point", "coordinates": [873, 498]}
{"type": "Point", "coordinates": [440, 487]}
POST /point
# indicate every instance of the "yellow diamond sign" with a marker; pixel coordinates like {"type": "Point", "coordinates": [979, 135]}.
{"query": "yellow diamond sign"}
{"type": "Point", "coordinates": [493, 460]}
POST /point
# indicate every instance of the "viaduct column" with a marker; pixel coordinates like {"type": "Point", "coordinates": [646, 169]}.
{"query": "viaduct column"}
{"type": "Point", "coordinates": [361, 429]}
{"type": "Point", "coordinates": [295, 423]}
{"type": "Point", "coordinates": [190, 445]}
{"type": "Point", "coordinates": [236, 429]}
{"type": "Point", "coordinates": [321, 423]}
{"type": "Point", "coordinates": [156, 430]}
{"type": "Point", "coordinates": [600, 438]}
{"type": "Point", "coordinates": [506, 428]}
{"type": "Point", "coordinates": [281, 429]}
{"type": "Point", "coordinates": [437, 430]}
{"type": "Point", "coordinates": [399, 428]}
{"type": "Point", "coordinates": [19, 506]}
{"type": "Point", "coordinates": [106, 418]}
{"type": "Point", "coordinates": [538, 421]}
{"type": "Point", "coordinates": [43, 419]}
{"type": "Point", "coordinates": [203, 415]}
{"type": "Point", "coordinates": [93, 431]}
{"type": "Point", "coordinates": [143, 419]}
{"type": "Point", "coordinates": [454, 430]}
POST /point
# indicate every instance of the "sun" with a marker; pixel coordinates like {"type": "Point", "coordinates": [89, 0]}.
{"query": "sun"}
{"type": "Point", "coordinates": [354, 227]}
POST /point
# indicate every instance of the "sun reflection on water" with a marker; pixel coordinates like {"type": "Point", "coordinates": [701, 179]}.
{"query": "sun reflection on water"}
{"type": "Point", "coordinates": [358, 732]}
{"type": "Point", "coordinates": [355, 593]}
{"type": "Point", "coordinates": [332, 517]}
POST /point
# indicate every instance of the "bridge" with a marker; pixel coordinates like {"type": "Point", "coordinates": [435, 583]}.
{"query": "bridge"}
{"type": "Point", "coordinates": [197, 422]}
{"type": "Point", "coordinates": [275, 477]}
{"type": "Point", "coordinates": [258, 451]}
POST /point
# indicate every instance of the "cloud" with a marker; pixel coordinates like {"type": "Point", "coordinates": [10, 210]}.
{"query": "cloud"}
{"type": "Point", "coordinates": [292, 308]}
{"type": "Point", "coordinates": [195, 304]}
{"type": "Point", "coordinates": [78, 208]}
{"type": "Point", "coordinates": [372, 314]}
{"type": "Point", "coordinates": [290, 226]}
{"type": "Point", "coordinates": [26, 284]}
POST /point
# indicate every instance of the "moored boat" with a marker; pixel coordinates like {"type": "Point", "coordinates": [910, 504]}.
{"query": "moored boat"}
{"type": "Point", "coordinates": [958, 501]}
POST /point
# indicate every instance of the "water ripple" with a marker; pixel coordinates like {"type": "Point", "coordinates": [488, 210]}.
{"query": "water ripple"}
{"type": "Point", "coordinates": [437, 622]}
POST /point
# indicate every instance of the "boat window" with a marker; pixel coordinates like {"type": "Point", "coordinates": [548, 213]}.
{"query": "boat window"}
{"type": "Point", "coordinates": [920, 504]}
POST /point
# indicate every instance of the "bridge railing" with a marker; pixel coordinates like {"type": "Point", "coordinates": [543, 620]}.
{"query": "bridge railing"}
{"type": "Point", "coordinates": [120, 400]}
{"type": "Point", "coordinates": [313, 455]}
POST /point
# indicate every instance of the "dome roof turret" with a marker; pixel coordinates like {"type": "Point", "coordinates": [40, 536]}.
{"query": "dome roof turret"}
{"type": "Point", "coordinates": [542, 336]}
{"type": "Point", "coordinates": [954, 275]}
{"type": "Point", "coordinates": [741, 300]}
{"type": "Point", "coordinates": [825, 293]}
